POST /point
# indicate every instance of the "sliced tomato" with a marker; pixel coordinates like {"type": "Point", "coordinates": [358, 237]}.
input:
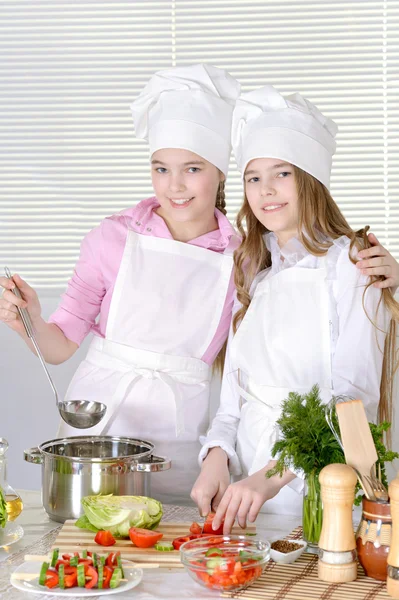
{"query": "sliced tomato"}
{"type": "Point", "coordinates": [111, 559]}
{"type": "Point", "coordinates": [195, 528]}
{"type": "Point", "coordinates": [207, 528]}
{"type": "Point", "coordinates": [52, 579]}
{"type": "Point", "coordinates": [107, 576]}
{"type": "Point", "coordinates": [144, 538]}
{"type": "Point", "coordinates": [177, 542]}
{"type": "Point", "coordinates": [85, 561]}
{"type": "Point", "coordinates": [104, 538]}
{"type": "Point", "coordinates": [92, 573]}
{"type": "Point", "coordinates": [61, 562]}
{"type": "Point", "coordinates": [71, 579]}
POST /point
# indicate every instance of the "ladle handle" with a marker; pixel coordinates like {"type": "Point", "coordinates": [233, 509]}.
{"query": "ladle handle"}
{"type": "Point", "coordinates": [27, 323]}
{"type": "Point", "coordinates": [23, 313]}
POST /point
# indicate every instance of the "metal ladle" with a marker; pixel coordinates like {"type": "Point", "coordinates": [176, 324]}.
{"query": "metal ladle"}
{"type": "Point", "coordinates": [81, 414]}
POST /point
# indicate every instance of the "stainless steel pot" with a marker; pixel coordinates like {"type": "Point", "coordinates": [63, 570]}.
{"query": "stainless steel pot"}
{"type": "Point", "coordinates": [81, 466]}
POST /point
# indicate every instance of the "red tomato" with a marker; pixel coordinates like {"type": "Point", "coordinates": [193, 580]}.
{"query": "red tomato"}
{"type": "Point", "coordinates": [195, 528]}
{"type": "Point", "coordinates": [107, 576]}
{"type": "Point", "coordinates": [91, 572]}
{"type": "Point", "coordinates": [177, 542]}
{"type": "Point", "coordinates": [61, 562]}
{"type": "Point", "coordinates": [111, 559]}
{"type": "Point", "coordinates": [208, 526]}
{"type": "Point", "coordinates": [104, 538]}
{"type": "Point", "coordinates": [144, 538]}
{"type": "Point", "coordinates": [71, 579]}
{"type": "Point", "coordinates": [51, 579]}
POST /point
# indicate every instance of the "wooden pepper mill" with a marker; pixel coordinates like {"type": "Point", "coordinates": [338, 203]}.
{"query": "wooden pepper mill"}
{"type": "Point", "coordinates": [337, 545]}
{"type": "Point", "coordinates": [393, 556]}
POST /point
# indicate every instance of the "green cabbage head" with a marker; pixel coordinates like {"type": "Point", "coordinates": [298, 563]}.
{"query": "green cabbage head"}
{"type": "Point", "coordinates": [3, 510]}
{"type": "Point", "coordinates": [118, 513]}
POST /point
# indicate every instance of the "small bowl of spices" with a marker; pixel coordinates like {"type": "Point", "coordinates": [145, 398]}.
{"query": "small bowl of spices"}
{"type": "Point", "coordinates": [287, 551]}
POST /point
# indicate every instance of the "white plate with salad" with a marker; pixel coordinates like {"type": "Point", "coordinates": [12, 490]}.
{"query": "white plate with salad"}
{"type": "Point", "coordinates": [23, 579]}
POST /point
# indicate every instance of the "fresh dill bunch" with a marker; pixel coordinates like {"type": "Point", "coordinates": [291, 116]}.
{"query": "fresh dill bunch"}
{"type": "Point", "coordinates": [307, 443]}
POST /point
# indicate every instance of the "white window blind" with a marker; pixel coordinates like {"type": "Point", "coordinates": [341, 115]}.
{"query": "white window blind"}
{"type": "Point", "coordinates": [69, 71]}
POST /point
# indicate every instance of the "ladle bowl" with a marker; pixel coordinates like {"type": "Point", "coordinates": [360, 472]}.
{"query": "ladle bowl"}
{"type": "Point", "coordinates": [81, 414]}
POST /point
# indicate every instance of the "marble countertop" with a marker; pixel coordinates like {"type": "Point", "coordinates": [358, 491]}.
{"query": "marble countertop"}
{"type": "Point", "coordinates": [160, 584]}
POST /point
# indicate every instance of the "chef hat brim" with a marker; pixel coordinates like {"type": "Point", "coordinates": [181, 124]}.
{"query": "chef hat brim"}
{"type": "Point", "coordinates": [291, 146]}
{"type": "Point", "coordinates": [194, 137]}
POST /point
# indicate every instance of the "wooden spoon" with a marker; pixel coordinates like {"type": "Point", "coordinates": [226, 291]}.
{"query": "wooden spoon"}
{"type": "Point", "coordinates": [358, 443]}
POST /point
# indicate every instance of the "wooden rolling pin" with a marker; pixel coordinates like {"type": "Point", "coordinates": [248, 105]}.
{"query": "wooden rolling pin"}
{"type": "Point", "coordinates": [337, 545]}
{"type": "Point", "coordinates": [393, 556]}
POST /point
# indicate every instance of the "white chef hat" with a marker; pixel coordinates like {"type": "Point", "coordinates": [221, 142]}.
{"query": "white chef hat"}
{"type": "Point", "coordinates": [189, 108]}
{"type": "Point", "coordinates": [267, 125]}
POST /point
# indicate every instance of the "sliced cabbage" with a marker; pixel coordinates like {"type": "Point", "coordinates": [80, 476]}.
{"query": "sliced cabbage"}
{"type": "Point", "coordinates": [118, 513]}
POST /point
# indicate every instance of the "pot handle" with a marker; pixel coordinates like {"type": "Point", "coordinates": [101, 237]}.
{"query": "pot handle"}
{"type": "Point", "coordinates": [33, 455]}
{"type": "Point", "coordinates": [153, 464]}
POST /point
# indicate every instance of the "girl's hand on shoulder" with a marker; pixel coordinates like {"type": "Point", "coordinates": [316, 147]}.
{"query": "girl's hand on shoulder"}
{"type": "Point", "coordinates": [244, 500]}
{"type": "Point", "coordinates": [212, 482]}
{"type": "Point", "coordinates": [9, 303]}
{"type": "Point", "coordinates": [378, 261]}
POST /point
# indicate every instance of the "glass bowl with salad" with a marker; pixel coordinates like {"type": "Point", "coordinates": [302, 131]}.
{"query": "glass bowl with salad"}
{"type": "Point", "coordinates": [226, 563]}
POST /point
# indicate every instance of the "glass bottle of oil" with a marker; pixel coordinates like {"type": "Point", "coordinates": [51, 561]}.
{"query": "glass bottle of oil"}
{"type": "Point", "coordinates": [14, 504]}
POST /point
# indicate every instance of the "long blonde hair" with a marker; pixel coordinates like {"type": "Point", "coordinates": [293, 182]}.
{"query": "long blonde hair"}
{"type": "Point", "coordinates": [218, 363]}
{"type": "Point", "coordinates": [319, 217]}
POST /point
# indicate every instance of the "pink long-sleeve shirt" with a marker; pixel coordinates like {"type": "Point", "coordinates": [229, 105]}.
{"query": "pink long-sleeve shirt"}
{"type": "Point", "coordinates": [89, 292]}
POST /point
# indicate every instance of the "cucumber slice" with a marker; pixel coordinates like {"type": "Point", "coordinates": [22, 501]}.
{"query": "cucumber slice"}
{"type": "Point", "coordinates": [214, 551]}
{"type": "Point", "coordinates": [116, 578]}
{"type": "Point", "coordinates": [214, 563]}
{"type": "Point", "coordinates": [164, 546]}
{"type": "Point", "coordinates": [100, 577]}
{"type": "Point", "coordinates": [43, 571]}
{"type": "Point", "coordinates": [84, 554]}
{"type": "Point", "coordinates": [119, 564]}
{"type": "Point", "coordinates": [61, 576]}
{"type": "Point", "coordinates": [54, 556]}
{"type": "Point", "coordinates": [95, 560]}
{"type": "Point", "coordinates": [74, 561]}
{"type": "Point", "coordinates": [81, 575]}
{"type": "Point", "coordinates": [102, 560]}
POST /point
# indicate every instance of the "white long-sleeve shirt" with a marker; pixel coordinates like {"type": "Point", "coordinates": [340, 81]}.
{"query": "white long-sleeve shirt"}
{"type": "Point", "coordinates": [356, 343]}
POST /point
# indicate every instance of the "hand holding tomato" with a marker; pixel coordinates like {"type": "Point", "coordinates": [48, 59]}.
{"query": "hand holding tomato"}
{"type": "Point", "coordinates": [208, 526]}
{"type": "Point", "coordinates": [245, 498]}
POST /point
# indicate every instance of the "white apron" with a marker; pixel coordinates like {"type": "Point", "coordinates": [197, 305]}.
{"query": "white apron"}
{"type": "Point", "coordinates": [165, 310]}
{"type": "Point", "coordinates": [281, 346]}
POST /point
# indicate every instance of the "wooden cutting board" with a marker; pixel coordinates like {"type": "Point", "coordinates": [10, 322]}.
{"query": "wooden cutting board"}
{"type": "Point", "coordinates": [73, 539]}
